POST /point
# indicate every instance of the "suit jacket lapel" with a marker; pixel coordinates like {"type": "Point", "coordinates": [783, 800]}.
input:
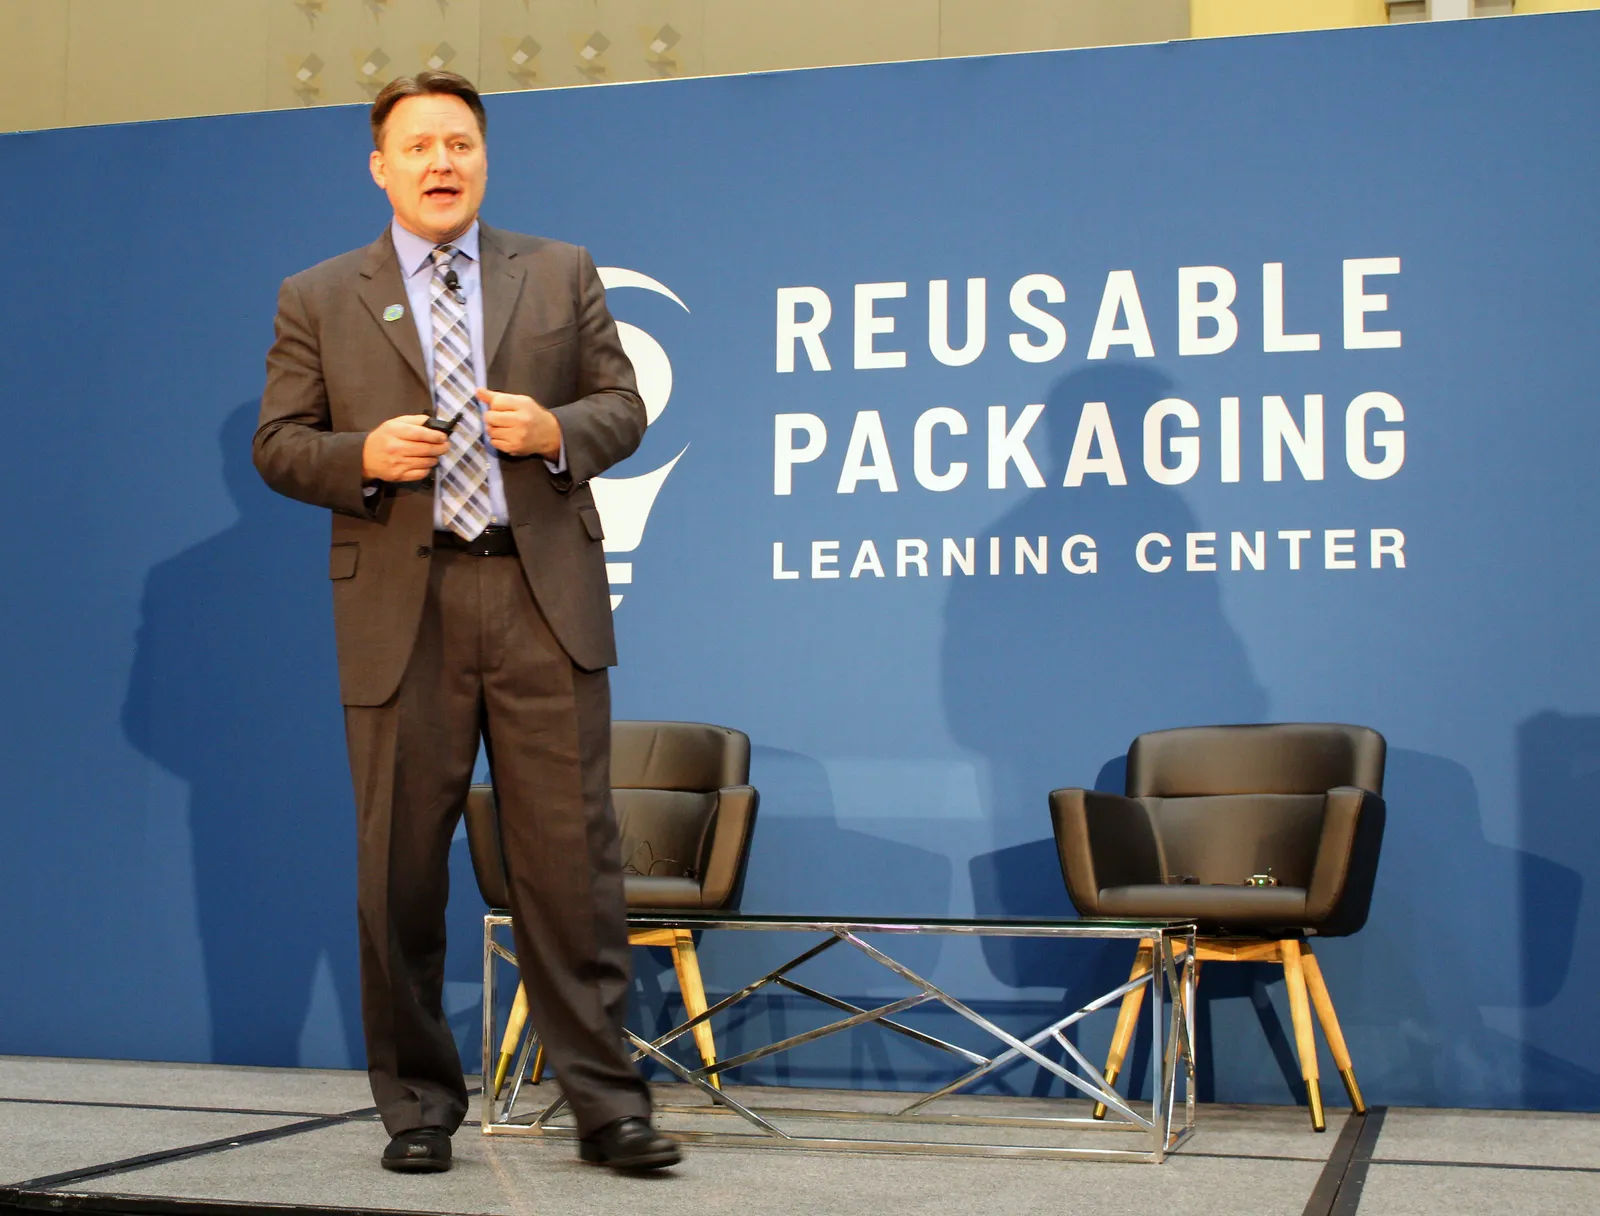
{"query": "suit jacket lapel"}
{"type": "Point", "coordinates": [502, 274]}
{"type": "Point", "coordinates": [381, 286]}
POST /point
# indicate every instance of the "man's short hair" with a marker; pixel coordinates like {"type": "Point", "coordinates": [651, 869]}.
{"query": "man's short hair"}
{"type": "Point", "coordinates": [419, 85]}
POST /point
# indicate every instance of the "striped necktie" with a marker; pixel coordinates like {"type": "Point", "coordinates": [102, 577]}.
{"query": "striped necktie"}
{"type": "Point", "coordinates": [463, 473]}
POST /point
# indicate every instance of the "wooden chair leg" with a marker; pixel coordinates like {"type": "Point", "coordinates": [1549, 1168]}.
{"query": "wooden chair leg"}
{"type": "Point", "coordinates": [508, 1041]}
{"type": "Point", "coordinates": [1323, 1003]}
{"type": "Point", "coordinates": [687, 964]}
{"type": "Point", "coordinates": [1127, 1019]}
{"type": "Point", "coordinates": [1304, 1039]}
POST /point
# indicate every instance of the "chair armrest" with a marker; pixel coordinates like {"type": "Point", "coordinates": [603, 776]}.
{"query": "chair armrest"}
{"type": "Point", "coordinates": [1347, 861]}
{"type": "Point", "coordinates": [1104, 840]}
{"type": "Point", "coordinates": [483, 841]}
{"type": "Point", "coordinates": [723, 879]}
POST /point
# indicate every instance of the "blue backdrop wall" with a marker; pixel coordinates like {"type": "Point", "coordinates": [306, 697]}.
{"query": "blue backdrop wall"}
{"type": "Point", "coordinates": [177, 828]}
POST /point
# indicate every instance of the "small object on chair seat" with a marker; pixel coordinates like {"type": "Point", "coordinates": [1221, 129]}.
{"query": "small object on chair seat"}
{"type": "Point", "coordinates": [643, 861]}
{"type": "Point", "coordinates": [1230, 905]}
{"type": "Point", "coordinates": [1261, 880]}
{"type": "Point", "coordinates": [645, 891]}
{"type": "Point", "coordinates": [419, 1150]}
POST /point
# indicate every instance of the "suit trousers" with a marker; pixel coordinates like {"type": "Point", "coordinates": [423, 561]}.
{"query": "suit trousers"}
{"type": "Point", "coordinates": [485, 663]}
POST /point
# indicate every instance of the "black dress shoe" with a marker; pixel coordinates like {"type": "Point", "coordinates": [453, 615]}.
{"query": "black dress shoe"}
{"type": "Point", "coordinates": [422, 1150]}
{"type": "Point", "coordinates": [629, 1144]}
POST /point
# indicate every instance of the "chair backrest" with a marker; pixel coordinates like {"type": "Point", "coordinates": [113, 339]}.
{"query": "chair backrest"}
{"type": "Point", "coordinates": [665, 783]}
{"type": "Point", "coordinates": [678, 756]}
{"type": "Point", "coordinates": [1231, 801]}
{"type": "Point", "coordinates": [685, 813]}
{"type": "Point", "coordinates": [1225, 838]}
{"type": "Point", "coordinates": [1277, 758]}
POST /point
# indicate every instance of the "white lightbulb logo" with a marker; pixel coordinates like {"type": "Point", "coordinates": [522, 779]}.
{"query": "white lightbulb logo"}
{"type": "Point", "coordinates": [624, 503]}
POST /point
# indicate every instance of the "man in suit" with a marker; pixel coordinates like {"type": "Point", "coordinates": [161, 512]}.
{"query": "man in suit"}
{"type": "Point", "coordinates": [470, 600]}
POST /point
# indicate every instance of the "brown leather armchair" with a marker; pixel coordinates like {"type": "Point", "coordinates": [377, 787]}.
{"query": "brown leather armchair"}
{"type": "Point", "coordinates": [686, 813]}
{"type": "Point", "coordinates": [1207, 811]}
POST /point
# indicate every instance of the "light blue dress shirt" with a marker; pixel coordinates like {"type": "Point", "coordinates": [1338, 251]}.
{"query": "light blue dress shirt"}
{"type": "Point", "coordinates": [416, 268]}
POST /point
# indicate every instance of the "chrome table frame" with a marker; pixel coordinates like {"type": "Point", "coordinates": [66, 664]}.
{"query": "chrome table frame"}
{"type": "Point", "coordinates": [1171, 1056]}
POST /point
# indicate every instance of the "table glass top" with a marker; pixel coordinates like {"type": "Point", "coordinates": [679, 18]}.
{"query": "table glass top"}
{"type": "Point", "coordinates": [689, 917]}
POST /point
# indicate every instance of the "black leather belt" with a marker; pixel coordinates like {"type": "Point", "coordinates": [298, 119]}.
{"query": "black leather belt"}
{"type": "Point", "coordinates": [493, 541]}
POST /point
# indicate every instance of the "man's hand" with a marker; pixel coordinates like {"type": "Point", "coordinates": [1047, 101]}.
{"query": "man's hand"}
{"type": "Point", "coordinates": [520, 426]}
{"type": "Point", "coordinates": [402, 449]}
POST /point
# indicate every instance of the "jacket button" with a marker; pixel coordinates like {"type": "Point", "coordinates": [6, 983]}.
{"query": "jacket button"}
{"type": "Point", "coordinates": [424, 551]}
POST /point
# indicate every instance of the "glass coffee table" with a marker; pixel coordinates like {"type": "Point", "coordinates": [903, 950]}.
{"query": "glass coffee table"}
{"type": "Point", "coordinates": [908, 1123]}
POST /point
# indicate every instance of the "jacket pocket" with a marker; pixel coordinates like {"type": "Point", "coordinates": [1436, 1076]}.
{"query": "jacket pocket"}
{"type": "Point", "coordinates": [551, 337]}
{"type": "Point", "coordinates": [342, 559]}
{"type": "Point", "coordinates": [591, 523]}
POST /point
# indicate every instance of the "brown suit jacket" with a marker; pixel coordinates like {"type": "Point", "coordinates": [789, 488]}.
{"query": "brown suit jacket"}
{"type": "Point", "coordinates": [337, 369]}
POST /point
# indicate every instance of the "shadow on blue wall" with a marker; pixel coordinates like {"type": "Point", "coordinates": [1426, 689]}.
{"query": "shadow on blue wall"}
{"type": "Point", "coordinates": [1558, 796]}
{"type": "Point", "coordinates": [1558, 788]}
{"type": "Point", "coordinates": [233, 689]}
{"type": "Point", "coordinates": [1470, 942]}
{"type": "Point", "coordinates": [1046, 675]}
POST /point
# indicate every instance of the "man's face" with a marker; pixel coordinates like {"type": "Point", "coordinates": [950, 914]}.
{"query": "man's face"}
{"type": "Point", "coordinates": [432, 165]}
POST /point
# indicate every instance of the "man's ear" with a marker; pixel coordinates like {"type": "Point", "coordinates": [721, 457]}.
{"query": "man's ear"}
{"type": "Point", "coordinates": [379, 171]}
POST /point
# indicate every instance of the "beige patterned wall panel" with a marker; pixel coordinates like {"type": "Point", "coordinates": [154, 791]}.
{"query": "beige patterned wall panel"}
{"type": "Point", "coordinates": [33, 88]}
{"type": "Point", "coordinates": [986, 27]}
{"type": "Point", "coordinates": [138, 59]}
{"type": "Point", "coordinates": [328, 51]}
{"type": "Point", "coordinates": [530, 44]}
{"type": "Point", "coordinates": [759, 35]}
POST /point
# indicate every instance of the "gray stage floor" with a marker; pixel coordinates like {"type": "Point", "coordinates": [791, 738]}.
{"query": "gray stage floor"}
{"type": "Point", "coordinates": [96, 1136]}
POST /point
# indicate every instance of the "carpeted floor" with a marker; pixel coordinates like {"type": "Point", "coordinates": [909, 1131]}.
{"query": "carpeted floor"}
{"type": "Point", "coordinates": [98, 1136]}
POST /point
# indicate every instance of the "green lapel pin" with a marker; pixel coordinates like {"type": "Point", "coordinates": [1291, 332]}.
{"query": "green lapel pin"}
{"type": "Point", "coordinates": [394, 312]}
